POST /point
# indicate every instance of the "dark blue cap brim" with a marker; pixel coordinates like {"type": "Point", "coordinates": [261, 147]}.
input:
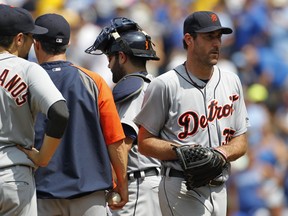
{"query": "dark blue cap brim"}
{"type": "Point", "coordinates": [39, 30]}
{"type": "Point", "coordinates": [225, 30]}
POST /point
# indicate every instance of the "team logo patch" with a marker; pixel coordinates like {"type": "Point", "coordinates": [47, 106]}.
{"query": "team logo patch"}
{"type": "Point", "coordinates": [213, 17]}
{"type": "Point", "coordinates": [146, 45]}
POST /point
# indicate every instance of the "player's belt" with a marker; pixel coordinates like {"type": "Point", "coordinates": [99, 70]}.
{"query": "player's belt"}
{"type": "Point", "coordinates": [180, 174]}
{"type": "Point", "coordinates": [153, 171]}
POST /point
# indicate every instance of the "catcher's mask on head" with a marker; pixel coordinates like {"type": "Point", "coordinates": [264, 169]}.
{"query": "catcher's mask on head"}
{"type": "Point", "coordinates": [123, 35]}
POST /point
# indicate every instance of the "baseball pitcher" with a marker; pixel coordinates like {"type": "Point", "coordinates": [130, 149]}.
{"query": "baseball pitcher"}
{"type": "Point", "coordinates": [194, 120]}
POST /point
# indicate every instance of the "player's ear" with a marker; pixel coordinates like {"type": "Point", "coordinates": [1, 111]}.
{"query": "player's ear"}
{"type": "Point", "coordinates": [122, 57]}
{"type": "Point", "coordinates": [188, 39]}
{"type": "Point", "coordinates": [37, 44]}
{"type": "Point", "coordinates": [19, 39]}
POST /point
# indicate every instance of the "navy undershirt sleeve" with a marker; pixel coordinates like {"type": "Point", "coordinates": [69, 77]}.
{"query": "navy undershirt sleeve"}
{"type": "Point", "coordinates": [58, 116]}
{"type": "Point", "coordinates": [129, 132]}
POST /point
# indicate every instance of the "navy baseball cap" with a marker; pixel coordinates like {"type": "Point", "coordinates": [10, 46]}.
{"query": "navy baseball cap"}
{"type": "Point", "coordinates": [202, 22]}
{"type": "Point", "coordinates": [14, 20]}
{"type": "Point", "coordinates": [58, 29]}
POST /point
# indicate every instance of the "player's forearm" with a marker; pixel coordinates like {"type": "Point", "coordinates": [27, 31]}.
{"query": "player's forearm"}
{"type": "Point", "coordinates": [58, 116]}
{"type": "Point", "coordinates": [129, 143]}
{"type": "Point", "coordinates": [119, 159]}
{"type": "Point", "coordinates": [44, 155]}
{"type": "Point", "coordinates": [236, 148]}
{"type": "Point", "coordinates": [151, 146]}
{"type": "Point", "coordinates": [49, 146]}
{"type": "Point", "coordinates": [156, 148]}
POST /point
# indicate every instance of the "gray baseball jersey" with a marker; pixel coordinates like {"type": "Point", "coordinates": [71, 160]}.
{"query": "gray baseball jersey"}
{"type": "Point", "coordinates": [143, 192]}
{"type": "Point", "coordinates": [181, 108]}
{"type": "Point", "coordinates": [127, 110]}
{"type": "Point", "coordinates": [25, 89]}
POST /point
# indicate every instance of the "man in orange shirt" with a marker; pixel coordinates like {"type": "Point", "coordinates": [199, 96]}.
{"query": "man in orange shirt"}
{"type": "Point", "coordinates": [80, 172]}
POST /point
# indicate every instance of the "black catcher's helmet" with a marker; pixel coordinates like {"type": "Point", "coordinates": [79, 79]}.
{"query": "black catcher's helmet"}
{"type": "Point", "coordinates": [123, 35]}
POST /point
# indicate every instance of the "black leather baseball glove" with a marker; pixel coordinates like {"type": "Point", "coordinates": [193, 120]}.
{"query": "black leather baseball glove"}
{"type": "Point", "coordinates": [200, 164]}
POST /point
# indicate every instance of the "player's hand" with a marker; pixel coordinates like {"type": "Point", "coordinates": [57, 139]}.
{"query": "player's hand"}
{"type": "Point", "coordinates": [33, 154]}
{"type": "Point", "coordinates": [122, 190]}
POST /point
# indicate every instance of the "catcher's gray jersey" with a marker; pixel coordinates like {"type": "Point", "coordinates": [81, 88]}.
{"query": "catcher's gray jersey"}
{"type": "Point", "coordinates": [127, 110]}
{"type": "Point", "coordinates": [181, 108]}
{"type": "Point", "coordinates": [25, 89]}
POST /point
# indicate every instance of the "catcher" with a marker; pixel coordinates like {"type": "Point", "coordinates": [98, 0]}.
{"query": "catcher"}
{"type": "Point", "coordinates": [199, 125]}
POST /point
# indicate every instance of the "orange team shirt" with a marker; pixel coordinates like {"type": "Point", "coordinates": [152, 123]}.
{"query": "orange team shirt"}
{"type": "Point", "coordinates": [110, 120]}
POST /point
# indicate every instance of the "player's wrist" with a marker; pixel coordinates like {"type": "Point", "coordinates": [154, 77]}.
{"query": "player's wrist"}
{"type": "Point", "coordinates": [222, 152]}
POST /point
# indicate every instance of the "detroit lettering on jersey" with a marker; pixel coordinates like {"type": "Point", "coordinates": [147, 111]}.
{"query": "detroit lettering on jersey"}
{"type": "Point", "coordinates": [215, 111]}
{"type": "Point", "coordinates": [15, 86]}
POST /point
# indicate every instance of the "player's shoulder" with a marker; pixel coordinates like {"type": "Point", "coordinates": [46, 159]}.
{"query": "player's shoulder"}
{"type": "Point", "coordinates": [88, 72]}
{"type": "Point", "coordinates": [225, 72]}
{"type": "Point", "coordinates": [26, 63]}
{"type": "Point", "coordinates": [129, 87]}
{"type": "Point", "coordinates": [168, 76]}
{"type": "Point", "coordinates": [30, 66]}
{"type": "Point", "coordinates": [91, 75]}
{"type": "Point", "coordinates": [230, 78]}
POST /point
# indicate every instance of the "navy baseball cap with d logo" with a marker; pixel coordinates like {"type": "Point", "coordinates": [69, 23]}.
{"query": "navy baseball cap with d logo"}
{"type": "Point", "coordinates": [202, 22]}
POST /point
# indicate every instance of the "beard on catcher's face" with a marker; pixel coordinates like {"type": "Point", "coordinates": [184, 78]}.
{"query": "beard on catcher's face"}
{"type": "Point", "coordinates": [118, 71]}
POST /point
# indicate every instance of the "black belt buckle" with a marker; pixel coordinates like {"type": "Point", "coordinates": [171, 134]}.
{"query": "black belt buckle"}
{"type": "Point", "coordinates": [153, 171]}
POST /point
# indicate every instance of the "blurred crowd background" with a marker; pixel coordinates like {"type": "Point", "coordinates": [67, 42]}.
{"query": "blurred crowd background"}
{"type": "Point", "coordinates": [257, 51]}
